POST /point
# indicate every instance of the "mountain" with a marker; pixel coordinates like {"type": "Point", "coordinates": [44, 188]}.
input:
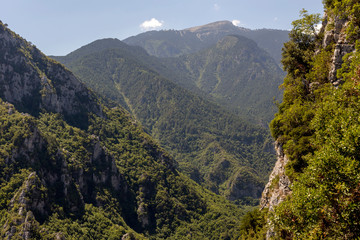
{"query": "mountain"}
{"type": "Point", "coordinates": [73, 168]}
{"type": "Point", "coordinates": [214, 147]}
{"type": "Point", "coordinates": [236, 73]}
{"type": "Point", "coordinates": [173, 43]}
{"type": "Point", "coordinates": [246, 86]}
{"type": "Point", "coordinates": [313, 191]}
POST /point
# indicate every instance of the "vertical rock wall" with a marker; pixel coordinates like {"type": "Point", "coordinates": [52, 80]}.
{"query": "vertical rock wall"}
{"type": "Point", "coordinates": [278, 186]}
{"type": "Point", "coordinates": [335, 33]}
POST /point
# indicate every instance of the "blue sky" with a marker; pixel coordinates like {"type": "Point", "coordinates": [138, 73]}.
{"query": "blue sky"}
{"type": "Point", "coordinates": [58, 27]}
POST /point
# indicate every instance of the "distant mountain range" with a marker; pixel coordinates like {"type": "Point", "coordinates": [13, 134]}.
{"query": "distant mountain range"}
{"type": "Point", "coordinates": [74, 167]}
{"type": "Point", "coordinates": [109, 146]}
{"type": "Point", "coordinates": [214, 147]}
{"type": "Point", "coordinates": [235, 73]}
{"type": "Point", "coordinates": [197, 99]}
{"type": "Point", "coordinates": [173, 43]}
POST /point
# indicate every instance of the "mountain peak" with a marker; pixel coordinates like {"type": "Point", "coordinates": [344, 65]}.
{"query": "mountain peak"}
{"type": "Point", "coordinates": [213, 26]}
{"type": "Point", "coordinates": [179, 42]}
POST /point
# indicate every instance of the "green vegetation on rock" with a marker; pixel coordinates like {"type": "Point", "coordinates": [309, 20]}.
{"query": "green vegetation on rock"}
{"type": "Point", "coordinates": [236, 74]}
{"type": "Point", "coordinates": [105, 179]}
{"type": "Point", "coordinates": [211, 145]}
{"type": "Point", "coordinates": [318, 126]}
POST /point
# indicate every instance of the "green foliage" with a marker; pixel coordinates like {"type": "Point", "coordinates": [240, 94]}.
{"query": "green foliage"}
{"type": "Point", "coordinates": [199, 134]}
{"type": "Point", "coordinates": [325, 202]}
{"type": "Point", "coordinates": [169, 200]}
{"type": "Point", "coordinates": [96, 223]}
{"type": "Point", "coordinates": [8, 188]}
{"type": "Point", "coordinates": [305, 80]}
{"type": "Point", "coordinates": [253, 224]}
{"type": "Point", "coordinates": [107, 179]}
{"type": "Point", "coordinates": [325, 199]}
{"type": "Point", "coordinates": [14, 129]}
{"type": "Point", "coordinates": [347, 10]}
{"type": "Point", "coordinates": [299, 51]}
{"type": "Point", "coordinates": [173, 200]}
{"type": "Point", "coordinates": [247, 86]}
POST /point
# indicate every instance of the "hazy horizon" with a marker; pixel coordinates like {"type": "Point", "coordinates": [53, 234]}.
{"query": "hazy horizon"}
{"type": "Point", "coordinates": [60, 27]}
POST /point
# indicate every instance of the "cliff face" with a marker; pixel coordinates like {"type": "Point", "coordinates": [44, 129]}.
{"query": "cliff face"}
{"type": "Point", "coordinates": [51, 180]}
{"type": "Point", "coordinates": [334, 30]}
{"type": "Point", "coordinates": [335, 41]}
{"type": "Point", "coordinates": [335, 35]}
{"type": "Point", "coordinates": [278, 187]}
{"type": "Point", "coordinates": [32, 82]}
{"type": "Point", "coordinates": [279, 184]}
{"type": "Point", "coordinates": [40, 172]}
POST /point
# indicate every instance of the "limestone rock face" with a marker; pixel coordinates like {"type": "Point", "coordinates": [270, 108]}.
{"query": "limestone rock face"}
{"type": "Point", "coordinates": [52, 181]}
{"type": "Point", "coordinates": [336, 35]}
{"type": "Point", "coordinates": [279, 184]}
{"type": "Point", "coordinates": [31, 81]}
{"type": "Point", "coordinates": [278, 187]}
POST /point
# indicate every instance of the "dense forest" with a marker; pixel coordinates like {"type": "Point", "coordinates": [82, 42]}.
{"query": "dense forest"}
{"type": "Point", "coordinates": [318, 128]}
{"type": "Point", "coordinates": [217, 149]}
{"type": "Point", "coordinates": [142, 157]}
{"type": "Point", "coordinates": [235, 73]}
{"type": "Point", "coordinates": [72, 167]}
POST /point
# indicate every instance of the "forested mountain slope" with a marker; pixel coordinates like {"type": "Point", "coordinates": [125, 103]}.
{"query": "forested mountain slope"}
{"type": "Point", "coordinates": [317, 128]}
{"type": "Point", "coordinates": [236, 73]}
{"type": "Point", "coordinates": [174, 43]}
{"type": "Point", "coordinates": [72, 168]}
{"type": "Point", "coordinates": [217, 149]}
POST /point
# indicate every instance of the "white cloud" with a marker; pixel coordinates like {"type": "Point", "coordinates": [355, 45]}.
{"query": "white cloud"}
{"type": "Point", "coordinates": [151, 24]}
{"type": "Point", "coordinates": [216, 7]}
{"type": "Point", "coordinates": [276, 19]}
{"type": "Point", "coordinates": [318, 27]}
{"type": "Point", "coordinates": [236, 22]}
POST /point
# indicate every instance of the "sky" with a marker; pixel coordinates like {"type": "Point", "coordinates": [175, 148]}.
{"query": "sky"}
{"type": "Point", "coordinates": [58, 27]}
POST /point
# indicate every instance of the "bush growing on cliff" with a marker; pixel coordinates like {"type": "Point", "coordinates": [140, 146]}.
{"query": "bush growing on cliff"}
{"type": "Point", "coordinates": [325, 199]}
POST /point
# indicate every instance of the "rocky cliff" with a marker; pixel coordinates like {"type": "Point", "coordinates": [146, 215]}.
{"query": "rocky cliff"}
{"type": "Point", "coordinates": [335, 36]}
{"type": "Point", "coordinates": [334, 31]}
{"type": "Point", "coordinates": [279, 184]}
{"type": "Point", "coordinates": [51, 179]}
{"type": "Point", "coordinates": [336, 41]}
{"type": "Point", "coordinates": [32, 82]}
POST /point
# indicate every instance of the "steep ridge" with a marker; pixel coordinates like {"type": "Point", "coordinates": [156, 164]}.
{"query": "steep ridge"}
{"type": "Point", "coordinates": [217, 149]}
{"type": "Point", "coordinates": [174, 43]}
{"type": "Point", "coordinates": [247, 86]}
{"type": "Point", "coordinates": [26, 81]}
{"type": "Point", "coordinates": [71, 168]}
{"type": "Point", "coordinates": [237, 74]}
{"type": "Point", "coordinates": [313, 192]}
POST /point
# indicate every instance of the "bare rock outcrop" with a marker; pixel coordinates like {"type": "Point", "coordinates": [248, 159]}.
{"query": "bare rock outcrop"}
{"type": "Point", "coordinates": [335, 34]}
{"type": "Point", "coordinates": [279, 185]}
{"type": "Point", "coordinates": [33, 82]}
{"type": "Point", "coordinates": [53, 181]}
